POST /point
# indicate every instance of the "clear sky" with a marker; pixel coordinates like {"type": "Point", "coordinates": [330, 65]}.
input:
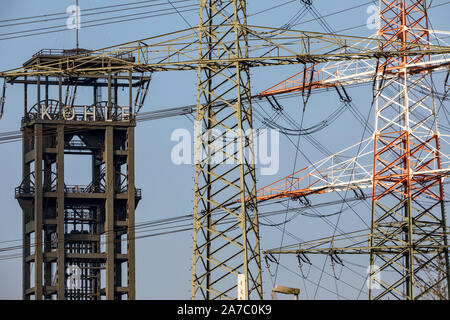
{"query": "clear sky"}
{"type": "Point", "coordinates": [164, 262]}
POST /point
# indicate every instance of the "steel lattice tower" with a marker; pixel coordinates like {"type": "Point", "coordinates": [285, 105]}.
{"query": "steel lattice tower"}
{"type": "Point", "coordinates": [407, 240]}
{"type": "Point", "coordinates": [221, 252]}
{"type": "Point", "coordinates": [409, 230]}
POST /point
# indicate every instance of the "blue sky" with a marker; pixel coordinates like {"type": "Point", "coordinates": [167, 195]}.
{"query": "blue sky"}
{"type": "Point", "coordinates": [164, 262]}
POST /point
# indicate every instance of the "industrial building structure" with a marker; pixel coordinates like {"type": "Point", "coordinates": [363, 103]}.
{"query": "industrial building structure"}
{"type": "Point", "coordinates": [84, 233]}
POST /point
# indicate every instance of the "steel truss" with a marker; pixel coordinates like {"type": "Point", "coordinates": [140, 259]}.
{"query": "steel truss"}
{"type": "Point", "coordinates": [408, 235]}
{"type": "Point", "coordinates": [411, 201]}
{"type": "Point", "coordinates": [222, 252]}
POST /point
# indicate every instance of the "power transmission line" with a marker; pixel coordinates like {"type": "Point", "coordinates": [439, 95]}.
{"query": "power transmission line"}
{"type": "Point", "coordinates": [90, 14]}
{"type": "Point", "coordinates": [100, 22]}
{"type": "Point", "coordinates": [82, 10]}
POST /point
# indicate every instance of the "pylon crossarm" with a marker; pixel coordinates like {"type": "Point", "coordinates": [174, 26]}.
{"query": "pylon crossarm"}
{"type": "Point", "coordinates": [343, 243]}
{"type": "Point", "coordinates": [338, 172]}
{"type": "Point", "coordinates": [344, 171]}
{"type": "Point", "coordinates": [346, 73]}
{"type": "Point", "coordinates": [351, 72]}
{"type": "Point", "coordinates": [356, 242]}
{"type": "Point", "coordinates": [178, 51]}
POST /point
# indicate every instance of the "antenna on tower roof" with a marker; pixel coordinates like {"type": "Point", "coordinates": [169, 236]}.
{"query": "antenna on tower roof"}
{"type": "Point", "coordinates": [77, 16]}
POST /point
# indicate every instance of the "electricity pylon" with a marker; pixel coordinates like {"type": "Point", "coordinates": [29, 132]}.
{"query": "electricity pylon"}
{"type": "Point", "coordinates": [221, 252]}
{"type": "Point", "coordinates": [221, 50]}
{"type": "Point", "coordinates": [406, 145]}
{"type": "Point", "coordinates": [408, 226]}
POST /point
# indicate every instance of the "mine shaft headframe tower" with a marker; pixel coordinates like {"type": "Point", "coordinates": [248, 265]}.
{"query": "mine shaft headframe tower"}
{"type": "Point", "coordinates": [408, 212]}
{"type": "Point", "coordinates": [78, 241]}
{"type": "Point", "coordinates": [222, 252]}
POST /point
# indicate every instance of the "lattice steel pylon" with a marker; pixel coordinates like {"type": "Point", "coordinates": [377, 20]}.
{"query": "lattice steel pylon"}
{"type": "Point", "coordinates": [408, 235]}
{"type": "Point", "coordinates": [221, 252]}
{"type": "Point", "coordinates": [406, 142]}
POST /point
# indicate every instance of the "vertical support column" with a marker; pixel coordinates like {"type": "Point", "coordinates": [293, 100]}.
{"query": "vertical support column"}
{"type": "Point", "coordinates": [98, 283]}
{"type": "Point", "coordinates": [47, 181]}
{"type": "Point", "coordinates": [47, 265]}
{"type": "Point", "coordinates": [61, 107]}
{"type": "Point", "coordinates": [26, 216]}
{"type": "Point", "coordinates": [38, 95]}
{"type": "Point", "coordinates": [25, 96]}
{"type": "Point", "coordinates": [25, 265]}
{"type": "Point", "coordinates": [46, 91]}
{"type": "Point", "coordinates": [109, 211]}
{"type": "Point", "coordinates": [117, 265]}
{"type": "Point", "coordinates": [38, 208]}
{"type": "Point", "coordinates": [109, 108]}
{"type": "Point", "coordinates": [60, 264]}
{"type": "Point", "coordinates": [95, 88]}
{"type": "Point", "coordinates": [116, 95]}
{"type": "Point", "coordinates": [407, 187]}
{"type": "Point", "coordinates": [131, 264]}
{"type": "Point", "coordinates": [130, 94]}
